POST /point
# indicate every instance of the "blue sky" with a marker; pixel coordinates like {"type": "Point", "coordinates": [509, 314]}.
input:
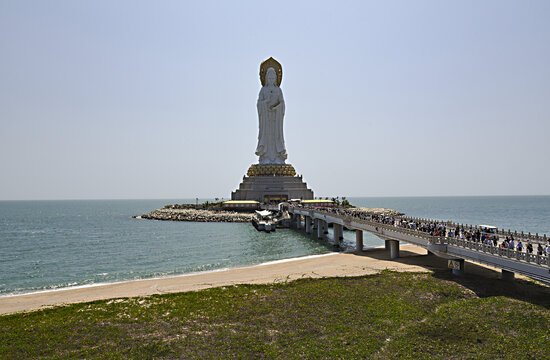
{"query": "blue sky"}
{"type": "Point", "coordinates": [130, 99]}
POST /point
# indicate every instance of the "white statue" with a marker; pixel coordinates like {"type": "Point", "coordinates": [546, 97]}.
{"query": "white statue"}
{"type": "Point", "coordinates": [271, 111]}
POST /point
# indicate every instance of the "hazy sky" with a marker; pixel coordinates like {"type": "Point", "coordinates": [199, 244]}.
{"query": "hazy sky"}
{"type": "Point", "coordinates": [157, 99]}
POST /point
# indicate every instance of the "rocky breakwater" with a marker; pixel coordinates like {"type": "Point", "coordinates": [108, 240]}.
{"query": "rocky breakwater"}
{"type": "Point", "coordinates": [199, 215]}
{"type": "Point", "coordinates": [374, 211]}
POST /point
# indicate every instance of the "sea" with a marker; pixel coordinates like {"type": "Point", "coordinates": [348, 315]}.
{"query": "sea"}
{"type": "Point", "coordinates": [52, 245]}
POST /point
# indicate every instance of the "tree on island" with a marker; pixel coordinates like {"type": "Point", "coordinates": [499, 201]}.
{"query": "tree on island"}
{"type": "Point", "coordinates": [345, 202]}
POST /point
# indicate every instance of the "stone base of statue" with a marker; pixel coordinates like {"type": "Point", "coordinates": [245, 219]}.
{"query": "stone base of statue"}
{"type": "Point", "coordinates": [272, 183]}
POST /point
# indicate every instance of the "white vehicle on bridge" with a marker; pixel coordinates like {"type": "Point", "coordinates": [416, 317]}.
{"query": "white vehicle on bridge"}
{"type": "Point", "coordinates": [489, 231]}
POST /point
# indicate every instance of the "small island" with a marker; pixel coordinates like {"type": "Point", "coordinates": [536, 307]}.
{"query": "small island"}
{"type": "Point", "coordinates": [207, 212]}
{"type": "Point", "coordinates": [220, 212]}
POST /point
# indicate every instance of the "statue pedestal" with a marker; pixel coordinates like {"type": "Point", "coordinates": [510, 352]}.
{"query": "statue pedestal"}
{"type": "Point", "coordinates": [272, 183]}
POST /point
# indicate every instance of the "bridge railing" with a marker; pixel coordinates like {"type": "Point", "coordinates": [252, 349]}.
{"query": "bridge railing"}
{"type": "Point", "coordinates": [378, 226]}
{"type": "Point", "coordinates": [543, 260]}
{"type": "Point", "coordinates": [450, 225]}
{"type": "Point", "coordinates": [534, 238]}
{"type": "Point", "coordinates": [393, 228]}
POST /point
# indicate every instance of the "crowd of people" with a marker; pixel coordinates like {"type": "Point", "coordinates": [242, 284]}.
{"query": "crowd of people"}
{"type": "Point", "coordinates": [443, 229]}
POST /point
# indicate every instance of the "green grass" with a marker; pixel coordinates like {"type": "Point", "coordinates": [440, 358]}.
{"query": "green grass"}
{"type": "Point", "coordinates": [384, 316]}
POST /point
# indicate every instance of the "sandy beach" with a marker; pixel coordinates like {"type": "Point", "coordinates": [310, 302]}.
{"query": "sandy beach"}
{"type": "Point", "coordinates": [328, 265]}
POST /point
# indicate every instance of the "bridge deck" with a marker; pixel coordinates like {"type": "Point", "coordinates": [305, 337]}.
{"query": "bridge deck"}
{"type": "Point", "coordinates": [521, 262]}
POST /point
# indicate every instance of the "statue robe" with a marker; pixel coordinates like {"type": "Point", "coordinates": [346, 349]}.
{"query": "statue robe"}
{"type": "Point", "coordinates": [271, 111]}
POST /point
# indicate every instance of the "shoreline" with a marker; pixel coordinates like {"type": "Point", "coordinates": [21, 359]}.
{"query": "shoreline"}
{"type": "Point", "coordinates": [108, 283]}
{"type": "Point", "coordinates": [312, 266]}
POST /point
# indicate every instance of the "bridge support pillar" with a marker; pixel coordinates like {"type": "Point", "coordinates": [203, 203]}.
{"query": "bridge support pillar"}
{"type": "Point", "coordinates": [325, 227]}
{"type": "Point", "coordinates": [320, 228]}
{"type": "Point", "coordinates": [338, 232]}
{"type": "Point", "coordinates": [298, 221]}
{"type": "Point", "coordinates": [507, 275]}
{"type": "Point", "coordinates": [394, 248]}
{"type": "Point", "coordinates": [307, 220]}
{"type": "Point", "coordinates": [458, 270]}
{"type": "Point", "coordinates": [387, 245]}
{"type": "Point", "coordinates": [359, 240]}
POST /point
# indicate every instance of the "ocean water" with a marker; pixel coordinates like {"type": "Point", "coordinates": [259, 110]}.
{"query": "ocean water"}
{"type": "Point", "coordinates": [46, 245]}
{"type": "Point", "coordinates": [521, 213]}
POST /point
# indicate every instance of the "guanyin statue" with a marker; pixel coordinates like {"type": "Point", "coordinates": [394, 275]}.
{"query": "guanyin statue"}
{"type": "Point", "coordinates": [271, 111]}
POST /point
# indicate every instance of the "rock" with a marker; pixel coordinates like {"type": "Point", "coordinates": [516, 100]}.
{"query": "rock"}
{"type": "Point", "coordinates": [188, 212]}
{"type": "Point", "coordinates": [377, 211]}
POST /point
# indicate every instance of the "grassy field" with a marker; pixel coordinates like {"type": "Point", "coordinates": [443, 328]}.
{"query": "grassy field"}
{"type": "Point", "coordinates": [384, 316]}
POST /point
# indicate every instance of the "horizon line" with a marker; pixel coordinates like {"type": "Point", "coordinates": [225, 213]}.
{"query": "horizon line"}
{"type": "Point", "coordinates": [321, 197]}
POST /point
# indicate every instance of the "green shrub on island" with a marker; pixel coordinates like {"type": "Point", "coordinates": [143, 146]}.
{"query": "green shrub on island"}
{"type": "Point", "coordinates": [344, 203]}
{"type": "Point", "coordinates": [384, 316]}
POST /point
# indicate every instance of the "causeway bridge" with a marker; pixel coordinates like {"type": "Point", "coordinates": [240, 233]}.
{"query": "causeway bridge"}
{"type": "Point", "coordinates": [457, 250]}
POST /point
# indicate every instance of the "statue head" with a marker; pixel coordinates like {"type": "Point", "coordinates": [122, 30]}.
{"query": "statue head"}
{"type": "Point", "coordinates": [270, 76]}
{"type": "Point", "coordinates": [271, 63]}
